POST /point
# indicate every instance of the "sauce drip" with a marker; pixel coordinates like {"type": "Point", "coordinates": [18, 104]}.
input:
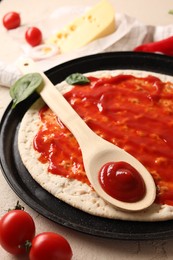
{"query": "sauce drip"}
{"type": "Point", "coordinates": [122, 182]}
{"type": "Point", "coordinates": [134, 113]}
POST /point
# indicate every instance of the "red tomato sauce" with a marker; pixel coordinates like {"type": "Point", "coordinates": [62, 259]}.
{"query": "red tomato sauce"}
{"type": "Point", "coordinates": [132, 112]}
{"type": "Point", "coordinates": [122, 182]}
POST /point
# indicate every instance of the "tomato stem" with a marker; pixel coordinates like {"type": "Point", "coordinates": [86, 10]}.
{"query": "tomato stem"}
{"type": "Point", "coordinates": [28, 245]}
{"type": "Point", "coordinates": [17, 207]}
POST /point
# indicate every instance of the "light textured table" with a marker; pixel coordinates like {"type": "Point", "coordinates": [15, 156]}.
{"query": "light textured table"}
{"type": "Point", "coordinates": [84, 246]}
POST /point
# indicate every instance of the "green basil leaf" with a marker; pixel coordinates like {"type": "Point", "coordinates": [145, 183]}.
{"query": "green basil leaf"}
{"type": "Point", "coordinates": [170, 11]}
{"type": "Point", "coordinates": [24, 87]}
{"type": "Point", "coordinates": [77, 79]}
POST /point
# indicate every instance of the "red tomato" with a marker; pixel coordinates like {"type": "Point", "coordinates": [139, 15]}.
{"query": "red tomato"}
{"type": "Point", "coordinates": [16, 227]}
{"type": "Point", "coordinates": [11, 20]}
{"type": "Point", "coordinates": [50, 246]}
{"type": "Point", "coordinates": [33, 36]}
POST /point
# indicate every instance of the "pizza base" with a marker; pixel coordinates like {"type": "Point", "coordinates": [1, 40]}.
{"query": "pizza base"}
{"type": "Point", "coordinates": [74, 192]}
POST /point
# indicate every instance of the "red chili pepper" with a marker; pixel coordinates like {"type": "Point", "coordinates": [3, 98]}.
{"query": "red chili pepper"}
{"type": "Point", "coordinates": [164, 46]}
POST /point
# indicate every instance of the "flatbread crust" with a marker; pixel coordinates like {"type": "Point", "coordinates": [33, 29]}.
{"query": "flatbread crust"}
{"type": "Point", "coordinates": [74, 192]}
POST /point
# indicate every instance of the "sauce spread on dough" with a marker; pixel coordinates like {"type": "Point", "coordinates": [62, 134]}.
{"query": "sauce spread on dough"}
{"type": "Point", "coordinates": [132, 112]}
{"type": "Point", "coordinates": [122, 182]}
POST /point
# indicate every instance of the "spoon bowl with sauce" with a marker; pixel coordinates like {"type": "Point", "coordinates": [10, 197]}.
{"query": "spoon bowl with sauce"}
{"type": "Point", "coordinates": [115, 175]}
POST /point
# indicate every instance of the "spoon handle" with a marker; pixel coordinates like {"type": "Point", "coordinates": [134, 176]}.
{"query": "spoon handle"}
{"type": "Point", "coordinates": [58, 104]}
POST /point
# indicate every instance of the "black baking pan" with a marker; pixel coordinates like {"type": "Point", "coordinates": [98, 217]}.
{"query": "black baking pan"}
{"type": "Point", "coordinates": [43, 202]}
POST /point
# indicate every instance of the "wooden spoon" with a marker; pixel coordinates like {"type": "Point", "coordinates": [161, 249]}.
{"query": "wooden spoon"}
{"type": "Point", "coordinates": [95, 150]}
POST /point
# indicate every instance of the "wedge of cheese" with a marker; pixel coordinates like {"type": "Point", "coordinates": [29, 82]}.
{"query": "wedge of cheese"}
{"type": "Point", "coordinates": [98, 22]}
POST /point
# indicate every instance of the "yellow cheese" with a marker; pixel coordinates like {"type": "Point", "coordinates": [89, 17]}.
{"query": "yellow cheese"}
{"type": "Point", "coordinates": [96, 23]}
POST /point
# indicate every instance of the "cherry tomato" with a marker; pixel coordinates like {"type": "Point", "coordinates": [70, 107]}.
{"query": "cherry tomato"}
{"type": "Point", "coordinates": [33, 36]}
{"type": "Point", "coordinates": [50, 246]}
{"type": "Point", "coordinates": [11, 20]}
{"type": "Point", "coordinates": [16, 227]}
